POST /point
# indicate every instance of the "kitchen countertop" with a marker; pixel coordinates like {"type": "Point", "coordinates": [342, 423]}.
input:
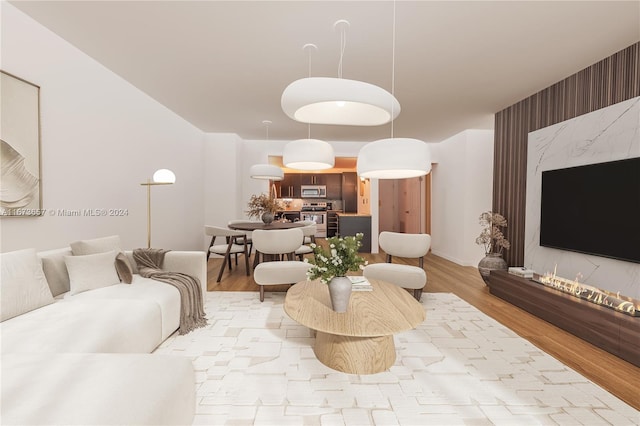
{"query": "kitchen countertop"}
{"type": "Point", "coordinates": [354, 214]}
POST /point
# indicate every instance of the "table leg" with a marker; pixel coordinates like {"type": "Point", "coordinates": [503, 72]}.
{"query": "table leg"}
{"type": "Point", "coordinates": [355, 355]}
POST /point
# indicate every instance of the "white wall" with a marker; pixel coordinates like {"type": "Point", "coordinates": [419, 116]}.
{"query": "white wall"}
{"type": "Point", "coordinates": [462, 183]}
{"type": "Point", "coordinates": [100, 138]}
{"type": "Point", "coordinates": [607, 134]}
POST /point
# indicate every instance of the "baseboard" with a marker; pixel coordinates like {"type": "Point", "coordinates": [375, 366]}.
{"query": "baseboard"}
{"type": "Point", "coordinates": [453, 259]}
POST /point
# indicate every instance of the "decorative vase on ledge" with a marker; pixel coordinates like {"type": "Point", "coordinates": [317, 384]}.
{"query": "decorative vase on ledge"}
{"type": "Point", "coordinates": [340, 293]}
{"type": "Point", "coordinates": [492, 261]}
{"type": "Point", "coordinates": [267, 217]}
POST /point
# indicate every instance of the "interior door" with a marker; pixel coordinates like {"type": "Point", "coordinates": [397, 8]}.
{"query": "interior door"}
{"type": "Point", "coordinates": [409, 202]}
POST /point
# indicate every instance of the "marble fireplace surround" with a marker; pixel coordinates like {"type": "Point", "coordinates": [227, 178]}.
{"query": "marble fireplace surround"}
{"type": "Point", "coordinates": [608, 134]}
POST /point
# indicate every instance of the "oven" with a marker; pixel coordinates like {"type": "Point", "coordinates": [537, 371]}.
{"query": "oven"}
{"type": "Point", "coordinates": [316, 211]}
{"type": "Point", "coordinates": [320, 218]}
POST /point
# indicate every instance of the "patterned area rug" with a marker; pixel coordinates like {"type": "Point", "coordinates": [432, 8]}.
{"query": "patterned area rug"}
{"type": "Point", "coordinates": [254, 365]}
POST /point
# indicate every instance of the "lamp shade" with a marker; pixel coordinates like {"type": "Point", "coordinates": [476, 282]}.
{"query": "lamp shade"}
{"type": "Point", "coordinates": [164, 176]}
{"type": "Point", "coordinates": [325, 100]}
{"type": "Point", "coordinates": [266, 171]}
{"type": "Point", "coordinates": [394, 158]}
{"type": "Point", "coordinates": [308, 154]}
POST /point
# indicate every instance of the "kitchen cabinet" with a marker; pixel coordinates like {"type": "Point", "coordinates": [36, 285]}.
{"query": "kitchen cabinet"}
{"type": "Point", "coordinates": [289, 187]}
{"type": "Point", "coordinates": [351, 224]}
{"type": "Point", "coordinates": [333, 181]}
{"type": "Point", "coordinates": [350, 192]}
{"type": "Point", "coordinates": [311, 179]}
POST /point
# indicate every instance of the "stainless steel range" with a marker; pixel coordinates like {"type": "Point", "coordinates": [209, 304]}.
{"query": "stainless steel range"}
{"type": "Point", "coordinates": [317, 212]}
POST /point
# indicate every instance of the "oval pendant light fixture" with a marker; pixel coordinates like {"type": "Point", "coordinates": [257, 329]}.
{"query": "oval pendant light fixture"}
{"type": "Point", "coordinates": [266, 171]}
{"type": "Point", "coordinates": [338, 101]}
{"type": "Point", "coordinates": [308, 154]}
{"type": "Point", "coordinates": [394, 158]}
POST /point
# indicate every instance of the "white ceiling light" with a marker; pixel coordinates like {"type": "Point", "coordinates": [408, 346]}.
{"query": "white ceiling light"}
{"type": "Point", "coordinates": [394, 158]}
{"type": "Point", "coordinates": [266, 171]}
{"type": "Point", "coordinates": [308, 154]}
{"type": "Point", "coordinates": [325, 100]}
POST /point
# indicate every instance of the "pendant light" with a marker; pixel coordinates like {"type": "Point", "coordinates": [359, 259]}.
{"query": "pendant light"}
{"type": "Point", "coordinates": [394, 158]}
{"type": "Point", "coordinates": [338, 101]}
{"type": "Point", "coordinates": [308, 154]}
{"type": "Point", "coordinates": [266, 171]}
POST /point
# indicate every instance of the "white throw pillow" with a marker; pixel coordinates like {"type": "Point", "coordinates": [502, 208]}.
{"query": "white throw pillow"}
{"type": "Point", "coordinates": [23, 284]}
{"type": "Point", "coordinates": [91, 271]}
{"type": "Point", "coordinates": [96, 245]}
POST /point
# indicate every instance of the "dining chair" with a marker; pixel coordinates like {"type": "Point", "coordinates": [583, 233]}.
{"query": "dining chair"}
{"type": "Point", "coordinates": [278, 244]}
{"type": "Point", "coordinates": [308, 239]}
{"type": "Point", "coordinates": [247, 238]}
{"type": "Point", "coordinates": [309, 233]}
{"type": "Point", "coordinates": [230, 246]}
{"type": "Point", "coordinates": [408, 246]}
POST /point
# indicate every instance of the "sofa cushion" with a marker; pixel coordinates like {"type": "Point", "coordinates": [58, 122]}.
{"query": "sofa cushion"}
{"type": "Point", "coordinates": [166, 296]}
{"type": "Point", "coordinates": [86, 325]}
{"type": "Point", "coordinates": [97, 389]}
{"type": "Point", "coordinates": [23, 284]}
{"type": "Point", "coordinates": [124, 268]}
{"type": "Point", "coordinates": [91, 271]}
{"type": "Point", "coordinates": [96, 245]}
{"type": "Point", "coordinates": [55, 269]}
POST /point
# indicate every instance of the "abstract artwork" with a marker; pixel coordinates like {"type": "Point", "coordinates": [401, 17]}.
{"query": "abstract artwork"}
{"type": "Point", "coordinates": [20, 189]}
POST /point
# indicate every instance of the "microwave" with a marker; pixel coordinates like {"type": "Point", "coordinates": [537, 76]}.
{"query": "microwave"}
{"type": "Point", "coordinates": [313, 191]}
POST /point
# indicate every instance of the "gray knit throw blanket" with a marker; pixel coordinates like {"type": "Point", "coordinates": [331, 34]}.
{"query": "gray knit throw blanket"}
{"type": "Point", "coordinates": [192, 314]}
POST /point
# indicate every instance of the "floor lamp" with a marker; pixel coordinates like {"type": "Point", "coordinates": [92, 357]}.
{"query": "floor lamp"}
{"type": "Point", "coordinates": [160, 177]}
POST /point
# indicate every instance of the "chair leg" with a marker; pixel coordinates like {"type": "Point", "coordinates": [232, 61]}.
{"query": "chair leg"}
{"type": "Point", "coordinates": [262, 293]}
{"type": "Point", "coordinates": [224, 264]}
{"type": "Point", "coordinates": [417, 293]}
{"type": "Point", "coordinates": [246, 261]}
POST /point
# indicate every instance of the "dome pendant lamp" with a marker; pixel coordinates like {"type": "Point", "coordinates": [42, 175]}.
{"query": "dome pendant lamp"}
{"type": "Point", "coordinates": [394, 158]}
{"type": "Point", "coordinates": [266, 171]}
{"type": "Point", "coordinates": [308, 154]}
{"type": "Point", "coordinates": [338, 101]}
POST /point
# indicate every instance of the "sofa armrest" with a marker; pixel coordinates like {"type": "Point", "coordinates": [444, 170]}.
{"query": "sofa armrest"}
{"type": "Point", "coordinates": [192, 263]}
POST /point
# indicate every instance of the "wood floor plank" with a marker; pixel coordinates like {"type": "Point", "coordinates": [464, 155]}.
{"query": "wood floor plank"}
{"type": "Point", "coordinates": [617, 376]}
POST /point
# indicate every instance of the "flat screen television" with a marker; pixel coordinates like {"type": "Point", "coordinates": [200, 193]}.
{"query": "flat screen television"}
{"type": "Point", "coordinates": [593, 209]}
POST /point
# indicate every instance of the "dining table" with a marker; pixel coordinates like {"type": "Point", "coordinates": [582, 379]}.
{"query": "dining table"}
{"type": "Point", "coordinates": [275, 225]}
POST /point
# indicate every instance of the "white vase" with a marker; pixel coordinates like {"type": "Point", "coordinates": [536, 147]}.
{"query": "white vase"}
{"type": "Point", "coordinates": [340, 293]}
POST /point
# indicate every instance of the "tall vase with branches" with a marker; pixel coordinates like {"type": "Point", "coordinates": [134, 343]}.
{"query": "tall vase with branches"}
{"type": "Point", "coordinates": [494, 242]}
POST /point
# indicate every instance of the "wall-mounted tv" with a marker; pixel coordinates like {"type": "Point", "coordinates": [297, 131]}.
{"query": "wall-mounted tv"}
{"type": "Point", "coordinates": [593, 209]}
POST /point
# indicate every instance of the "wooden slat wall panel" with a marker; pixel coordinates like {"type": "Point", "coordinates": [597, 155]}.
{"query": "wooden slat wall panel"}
{"type": "Point", "coordinates": [612, 80]}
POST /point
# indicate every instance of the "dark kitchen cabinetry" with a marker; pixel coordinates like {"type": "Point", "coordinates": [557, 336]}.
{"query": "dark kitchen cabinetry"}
{"type": "Point", "coordinates": [333, 181]}
{"type": "Point", "coordinates": [350, 192]}
{"type": "Point", "coordinates": [289, 187]}
{"type": "Point", "coordinates": [311, 179]}
{"type": "Point", "coordinates": [351, 224]}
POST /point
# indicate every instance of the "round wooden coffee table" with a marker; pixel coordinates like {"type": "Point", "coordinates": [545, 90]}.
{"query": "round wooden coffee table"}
{"type": "Point", "coordinates": [359, 341]}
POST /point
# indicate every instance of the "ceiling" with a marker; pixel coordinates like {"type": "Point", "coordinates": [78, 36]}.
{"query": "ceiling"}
{"type": "Point", "coordinates": [223, 65]}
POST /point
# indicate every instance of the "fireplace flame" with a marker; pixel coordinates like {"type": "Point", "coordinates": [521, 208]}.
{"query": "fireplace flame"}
{"type": "Point", "coordinates": [624, 304]}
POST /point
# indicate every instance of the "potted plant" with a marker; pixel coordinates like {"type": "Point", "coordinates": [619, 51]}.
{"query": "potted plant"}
{"type": "Point", "coordinates": [263, 206]}
{"type": "Point", "coordinates": [331, 267]}
{"type": "Point", "coordinates": [494, 242]}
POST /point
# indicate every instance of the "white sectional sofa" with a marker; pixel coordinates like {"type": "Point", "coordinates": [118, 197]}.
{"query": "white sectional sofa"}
{"type": "Point", "coordinates": [76, 350]}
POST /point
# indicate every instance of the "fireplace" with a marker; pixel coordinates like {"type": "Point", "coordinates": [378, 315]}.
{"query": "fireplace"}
{"type": "Point", "coordinates": [620, 303]}
{"type": "Point", "coordinates": [600, 324]}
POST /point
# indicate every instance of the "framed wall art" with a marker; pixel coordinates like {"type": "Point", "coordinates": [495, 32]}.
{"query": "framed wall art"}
{"type": "Point", "coordinates": [20, 182]}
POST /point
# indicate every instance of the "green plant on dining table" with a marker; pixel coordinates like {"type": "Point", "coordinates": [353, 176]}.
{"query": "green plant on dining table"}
{"type": "Point", "coordinates": [263, 203]}
{"type": "Point", "coordinates": [341, 257]}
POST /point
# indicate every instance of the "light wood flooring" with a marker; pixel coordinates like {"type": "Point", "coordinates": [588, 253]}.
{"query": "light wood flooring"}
{"type": "Point", "coordinates": [608, 371]}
